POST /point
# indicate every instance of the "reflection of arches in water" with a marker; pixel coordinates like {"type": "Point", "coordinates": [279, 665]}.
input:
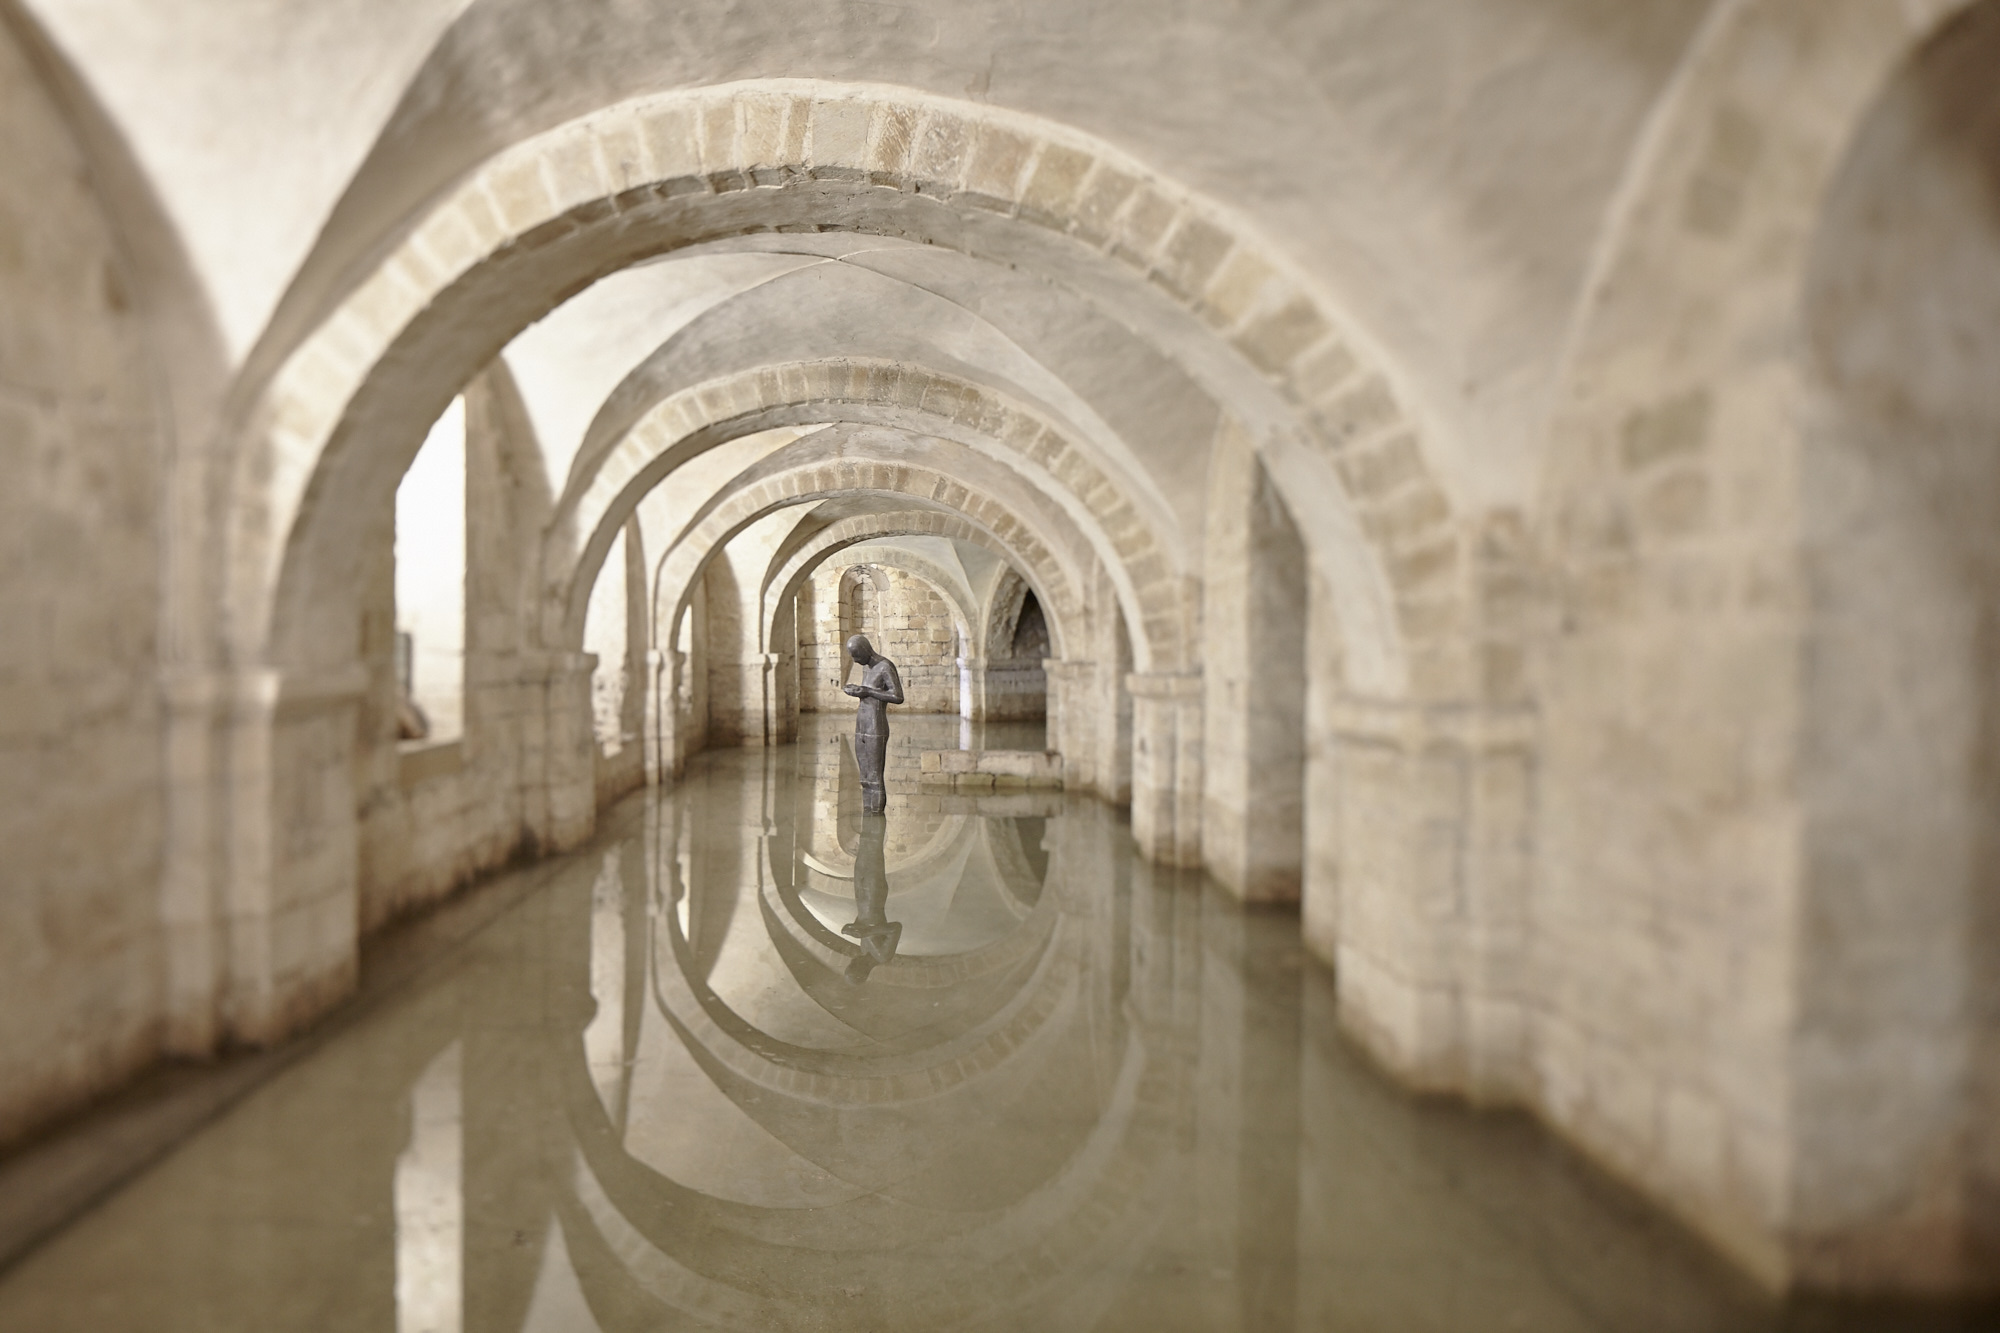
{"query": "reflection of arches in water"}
{"type": "Point", "coordinates": [912, 1067]}
{"type": "Point", "coordinates": [874, 934]}
{"type": "Point", "coordinates": [759, 1269]}
{"type": "Point", "coordinates": [834, 857]}
{"type": "Point", "coordinates": [829, 801]}
{"type": "Point", "coordinates": [813, 953]}
{"type": "Point", "coordinates": [1067, 1225]}
{"type": "Point", "coordinates": [955, 897]}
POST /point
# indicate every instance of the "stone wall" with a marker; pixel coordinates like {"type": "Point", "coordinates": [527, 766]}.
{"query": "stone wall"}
{"type": "Point", "coordinates": [82, 439]}
{"type": "Point", "coordinates": [907, 620]}
{"type": "Point", "coordinates": [1254, 681]}
{"type": "Point", "coordinates": [1759, 900]}
{"type": "Point", "coordinates": [432, 816]}
{"type": "Point", "coordinates": [1898, 982]}
{"type": "Point", "coordinates": [1012, 684]}
{"type": "Point", "coordinates": [1596, 622]}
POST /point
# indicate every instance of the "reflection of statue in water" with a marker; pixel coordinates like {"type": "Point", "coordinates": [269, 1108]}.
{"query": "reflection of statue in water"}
{"type": "Point", "coordinates": [871, 927]}
{"type": "Point", "coordinates": [880, 686]}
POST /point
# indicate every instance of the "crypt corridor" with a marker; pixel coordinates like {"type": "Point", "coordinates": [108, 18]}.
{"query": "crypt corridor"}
{"type": "Point", "coordinates": [1444, 559]}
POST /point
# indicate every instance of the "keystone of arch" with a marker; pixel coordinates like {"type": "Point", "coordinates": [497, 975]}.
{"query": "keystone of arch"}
{"type": "Point", "coordinates": [654, 173]}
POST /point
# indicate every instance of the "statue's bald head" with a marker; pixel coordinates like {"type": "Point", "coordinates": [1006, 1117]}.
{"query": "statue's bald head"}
{"type": "Point", "coordinates": [860, 649]}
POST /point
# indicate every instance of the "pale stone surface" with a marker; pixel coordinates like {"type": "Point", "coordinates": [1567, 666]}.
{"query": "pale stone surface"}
{"type": "Point", "coordinates": [81, 781]}
{"type": "Point", "coordinates": [991, 770]}
{"type": "Point", "coordinates": [1555, 548]}
{"type": "Point", "coordinates": [1234, 1164]}
{"type": "Point", "coordinates": [904, 615]}
{"type": "Point", "coordinates": [1255, 669]}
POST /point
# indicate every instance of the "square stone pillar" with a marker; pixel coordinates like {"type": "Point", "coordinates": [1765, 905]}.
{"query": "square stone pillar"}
{"type": "Point", "coordinates": [559, 760]}
{"type": "Point", "coordinates": [674, 727]}
{"type": "Point", "coordinates": [972, 690]}
{"type": "Point", "coordinates": [191, 874]}
{"type": "Point", "coordinates": [661, 678]}
{"type": "Point", "coordinates": [258, 899]}
{"type": "Point", "coordinates": [1070, 720]}
{"type": "Point", "coordinates": [1431, 941]}
{"type": "Point", "coordinates": [1166, 766]}
{"type": "Point", "coordinates": [781, 698]}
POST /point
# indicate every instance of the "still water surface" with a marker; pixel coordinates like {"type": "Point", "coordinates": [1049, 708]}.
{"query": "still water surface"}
{"type": "Point", "coordinates": [754, 1061]}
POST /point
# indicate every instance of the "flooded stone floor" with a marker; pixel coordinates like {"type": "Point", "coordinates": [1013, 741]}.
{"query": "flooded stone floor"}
{"type": "Point", "coordinates": [755, 1061]}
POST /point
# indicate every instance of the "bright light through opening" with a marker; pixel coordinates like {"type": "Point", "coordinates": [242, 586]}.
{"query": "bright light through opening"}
{"type": "Point", "coordinates": [430, 574]}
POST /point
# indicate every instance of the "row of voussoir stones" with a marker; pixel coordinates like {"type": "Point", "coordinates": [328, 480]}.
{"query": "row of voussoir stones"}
{"type": "Point", "coordinates": [981, 158]}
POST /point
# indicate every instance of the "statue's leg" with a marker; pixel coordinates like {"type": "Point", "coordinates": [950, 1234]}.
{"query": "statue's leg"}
{"type": "Point", "coordinates": [871, 756]}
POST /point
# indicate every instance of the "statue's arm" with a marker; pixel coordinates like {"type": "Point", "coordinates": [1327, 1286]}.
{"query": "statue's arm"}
{"type": "Point", "coordinates": [891, 693]}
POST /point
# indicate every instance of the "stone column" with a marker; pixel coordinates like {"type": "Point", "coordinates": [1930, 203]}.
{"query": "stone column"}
{"type": "Point", "coordinates": [1069, 720]}
{"type": "Point", "coordinates": [1255, 613]}
{"type": "Point", "coordinates": [559, 754]}
{"type": "Point", "coordinates": [190, 910]}
{"type": "Point", "coordinates": [1430, 945]}
{"type": "Point", "coordinates": [656, 727]}
{"type": "Point", "coordinates": [972, 689]}
{"type": "Point", "coordinates": [781, 698]}
{"type": "Point", "coordinates": [258, 896]}
{"type": "Point", "coordinates": [1319, 888]}
{"type": "Point", "coordinates": [1166, 766]}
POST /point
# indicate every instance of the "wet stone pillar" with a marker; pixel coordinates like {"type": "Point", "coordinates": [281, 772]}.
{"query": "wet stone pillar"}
{"type": "Point", "coordinates": [1069, 720]}
{"type": "Point", "coordinates": [1431, 942]}
{"type": "Point", "coordinates": [564, 754]}
{"type": "Point", "coordinates": [283, 915]}
{"type": "Point", "coordinates": [1166, 766]}
{"type": "Point", "coordinates": [657, 729]}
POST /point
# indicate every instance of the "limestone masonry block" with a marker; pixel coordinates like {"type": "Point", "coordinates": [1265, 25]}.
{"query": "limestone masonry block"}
{"type": "Point", "coordinates": [839, 133]}
{"type": "Point", "coordinates": [1518, 478]}
{"type": "Point", "coordinates": [1273, 339]}
{"type": "Point", "coordinates": [1054, 181]}
{"type": "Point", "coordinates": [981, 770]}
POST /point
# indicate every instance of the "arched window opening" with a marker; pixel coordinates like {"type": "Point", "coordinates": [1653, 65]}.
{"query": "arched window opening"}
{"type": "Point", "coordinates": [1016, 686]}
{"type": "Point", "coordinates": [1031, 632]}
{"type": "Point", "coordinates": [858, 612]}
{"type": "Point", "coordinates": [430, 584]}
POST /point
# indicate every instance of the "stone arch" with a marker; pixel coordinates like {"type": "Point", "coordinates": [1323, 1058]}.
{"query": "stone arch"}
{"type": "Point", "coordinates": [909, 562]}
{"type": "Point", "coordinates": [796, 565]}
{"type": "Point", "coordinates": [651, 174]}
{"type": "Point", "coordinates": [855, 391]}
{"type": "Point", "coordinates": [1089, 1204]}
{"type": "Point", "coordinates": [859, 587]}
{"type": "Point", "coordinates": [874, 578]}
{"type": "Point", "coordinates": [1672, 521]}
{"type": "Point", "coordinates": [932, 674]}
{"type": "Point", "coordinates": [1004, 614]}
{"type": "Point", "coordinates": [817, 480]}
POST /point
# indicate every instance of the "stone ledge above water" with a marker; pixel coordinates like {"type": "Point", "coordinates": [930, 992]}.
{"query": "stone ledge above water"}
{"type": "Point", "coordinates": [992, 770]}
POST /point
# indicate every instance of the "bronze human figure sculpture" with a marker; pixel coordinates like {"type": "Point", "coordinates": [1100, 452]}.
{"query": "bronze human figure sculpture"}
{"type": "Point", "coordinates": [880, 686]}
